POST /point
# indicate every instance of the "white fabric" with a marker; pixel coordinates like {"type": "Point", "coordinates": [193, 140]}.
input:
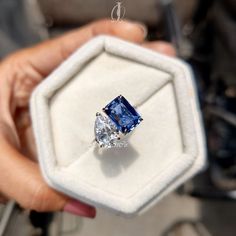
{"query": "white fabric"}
{"type": "Point", "coordinates": [164, 150]}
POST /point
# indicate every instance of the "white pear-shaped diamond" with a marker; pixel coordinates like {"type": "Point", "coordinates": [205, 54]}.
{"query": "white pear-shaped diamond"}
{"type": "Point", "coordinates": [106, 133]}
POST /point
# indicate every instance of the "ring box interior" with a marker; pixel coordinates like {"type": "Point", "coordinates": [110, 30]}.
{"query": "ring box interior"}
{"type": "Point", "coordinates": [166, 149]}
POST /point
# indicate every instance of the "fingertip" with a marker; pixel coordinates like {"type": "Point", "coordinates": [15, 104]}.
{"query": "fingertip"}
{"type": "Point", "coordinates": [161, 47]}
{"type": "Point", "coordinates": [129, 30]}
{"type": "Point", "coordinates": [139, 28]}
{"type": "Point", "coordinates": [144, 29]}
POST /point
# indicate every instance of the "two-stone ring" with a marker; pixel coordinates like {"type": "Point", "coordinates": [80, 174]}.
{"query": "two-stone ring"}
{"type": "Point", "coordinates": [120, 118]}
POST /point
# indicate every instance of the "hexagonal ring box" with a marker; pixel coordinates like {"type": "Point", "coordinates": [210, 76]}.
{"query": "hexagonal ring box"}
{"type": "Point", "coordinates": [165, 150]}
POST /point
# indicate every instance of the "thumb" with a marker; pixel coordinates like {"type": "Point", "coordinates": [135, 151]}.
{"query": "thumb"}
{"type": "Point", "coordinates": [58, 49]}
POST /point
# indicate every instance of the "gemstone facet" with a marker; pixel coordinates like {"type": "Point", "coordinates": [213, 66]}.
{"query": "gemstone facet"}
{"type": "Point", "coordinates": [106, 133]}
{"type": "Point", "coordinates": [125, 117]}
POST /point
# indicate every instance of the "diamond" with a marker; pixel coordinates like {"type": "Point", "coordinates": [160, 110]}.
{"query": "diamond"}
{"type": "Point", "coordinates": [125, 117]}
{"type": "Point", "coordinates": [106, 133]}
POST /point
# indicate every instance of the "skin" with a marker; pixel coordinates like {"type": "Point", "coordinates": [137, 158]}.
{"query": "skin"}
{"type": "Point", "coordinates": [20, 72]}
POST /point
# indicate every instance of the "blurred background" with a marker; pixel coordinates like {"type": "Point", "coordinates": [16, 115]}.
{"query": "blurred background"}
{"type": "Point", "coordinates": [204, 34]}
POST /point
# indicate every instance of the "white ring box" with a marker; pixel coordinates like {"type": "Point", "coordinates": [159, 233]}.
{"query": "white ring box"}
{"type": "Point", "coordinates": [166, 149]}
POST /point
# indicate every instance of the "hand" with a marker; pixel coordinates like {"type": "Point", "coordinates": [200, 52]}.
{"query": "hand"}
{"type": "Point", "coordinates": [20, 176]}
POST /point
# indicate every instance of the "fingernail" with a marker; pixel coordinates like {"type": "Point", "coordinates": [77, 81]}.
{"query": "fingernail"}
{"type": "Point", "coordinates": [80, 209]}
{"type": "Point", "coordinates": [143, 27]}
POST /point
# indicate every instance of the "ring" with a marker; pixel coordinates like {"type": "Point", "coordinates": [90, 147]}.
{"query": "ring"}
{"type": "Point", "coordinates": [119, 119]}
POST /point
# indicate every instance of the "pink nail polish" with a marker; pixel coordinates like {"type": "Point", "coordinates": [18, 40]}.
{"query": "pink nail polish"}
{"type": "Point", "coordinates": [80, 209]}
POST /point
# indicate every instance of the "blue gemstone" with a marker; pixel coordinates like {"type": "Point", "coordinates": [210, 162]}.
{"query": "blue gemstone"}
{"type": "Point", "coordinates": [125, 117]}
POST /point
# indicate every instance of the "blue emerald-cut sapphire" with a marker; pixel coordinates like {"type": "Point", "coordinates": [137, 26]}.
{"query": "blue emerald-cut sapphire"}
{"type": "Point", "coordinates": [125, 117]}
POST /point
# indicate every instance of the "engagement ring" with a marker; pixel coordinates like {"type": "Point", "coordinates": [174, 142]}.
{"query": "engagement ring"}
{"type": "Point", "coordinates": [119, 119]}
